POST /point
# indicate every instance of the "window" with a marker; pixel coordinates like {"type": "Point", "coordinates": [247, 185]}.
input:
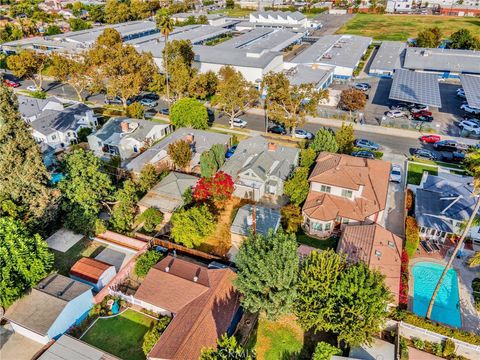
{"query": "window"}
{"type": "Point", "coordinates": [347, 193]}
{"type": "Point", "coordinates": [317, 226]}
{"type": "Point", "coordinates": [345, 221]}
{"type": "Point", "coordinates": [325, 188]}
{"type": "Point", "coordinates": [135, 149]}
{"type": "Point", "coordinates": [327, 226]}
{"type": "Point", "coordinates": [442, 234]}
{"type": "Point", "coordinates": [433, 232]}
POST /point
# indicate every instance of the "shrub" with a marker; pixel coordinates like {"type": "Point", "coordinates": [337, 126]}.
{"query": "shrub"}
{"type": "Point", "coordinates": [403, 349]}
{"type": "Point", "coordinates": [403, 298]}
{"type": "Point", "coordinates": [476, 292]}
{"type": "Point", "coordinates": [324, 351]}
{"type": "Point", "coordinates": [418, 343]}
{"type": "Point", "coordinates": [448, 348]}
{"type": "Point", "coordinates": [437, 349]}
{"type": "Point", "coordinates": [152, 335]}
{"type": "Point", "coordinates": [189, 112]}
{"type": "Point", "coordinates": [409, 200]}
{"type": "Point", "coordinates": [307, 157]}
{"type": "Point", "coordinates": [291, 218]}
{"type": "Point", "coordinates": [412, 236]}
{"type": "Point", "coordinates": [146, 261]}
{"type": "Point", "coordinates": [135, 110]}
{"type": "Point", "coordinates": [38, 94]}
{"type": "Point", "coordinates": [83, 133]}
{"type": "Point", "coordinates": [150, 218]}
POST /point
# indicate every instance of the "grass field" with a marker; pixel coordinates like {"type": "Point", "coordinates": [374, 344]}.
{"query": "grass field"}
{"type": "Point", "coordinates": [236, 12]}
{"type": "Point", "coordinates": [121, 335]}
{"type": "Point", "coordinates": [84, 248]}
{"type": "Point", "coordinates": [415, 172]}
{"type": "Point", "coordinates": [402, 27]}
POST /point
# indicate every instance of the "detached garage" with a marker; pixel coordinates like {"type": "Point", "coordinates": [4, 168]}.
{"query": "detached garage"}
{"type": "Point", "coordinates": [93, 272]}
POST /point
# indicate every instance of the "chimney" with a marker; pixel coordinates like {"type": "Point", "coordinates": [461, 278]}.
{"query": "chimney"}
{"type": "Point", "coordinates": [124, 126]}
{"type": "Point", "coordinates": [272, 146]}
{"type": "Point", "coordinates": [189, 138]}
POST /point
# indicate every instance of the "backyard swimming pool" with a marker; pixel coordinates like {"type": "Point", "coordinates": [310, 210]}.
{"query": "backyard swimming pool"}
{"type": "Point", "coordinates": [447, 303]}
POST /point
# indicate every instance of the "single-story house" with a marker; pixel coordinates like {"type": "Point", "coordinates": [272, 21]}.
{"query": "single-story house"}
{"type": "Point", "coordinates": [266, 219]}
{"type": "Point", "coordinates": [204, 304]}
{"type": "Point", "coordinates": [69, 348]}
{"type": "Point", "coordinates": [126, 137]}
{"type": "Point", "coordinates": [443, 203]}
{"type": "Point", "coordinates": [167, 195]}
{"type": "Point", "coordinates": [200, 141]}
{"type": "Point", "coordinates": [378, 248]}
{"type": "Point", "coordinates": [93, 272]}
{"type": "Point", "coordinates": [30, 108]}
{"type": "Point", "coordinates": [50, 308]}
{"type": "Point", "coordinates": [259, 167]}
{"type": "Point", "coordinates": [345, 190]}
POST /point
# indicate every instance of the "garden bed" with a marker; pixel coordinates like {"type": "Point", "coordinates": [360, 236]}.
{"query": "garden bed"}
{"type": "Point", "coordinates": [323, 244]}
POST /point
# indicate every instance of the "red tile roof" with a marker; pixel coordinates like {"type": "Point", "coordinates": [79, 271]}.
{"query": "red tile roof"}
{"type": "Point", "coordinates": [203, 309]}
{"type": "Point", "coordinates": [89, 269]}
{"type": "Point", "coordinates": [378, 248]}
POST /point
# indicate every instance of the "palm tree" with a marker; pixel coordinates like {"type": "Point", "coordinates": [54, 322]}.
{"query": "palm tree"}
{"type": "Point", "coordinates": [165, 24]}
{"type": "Point", "coordinates": [473, 160]}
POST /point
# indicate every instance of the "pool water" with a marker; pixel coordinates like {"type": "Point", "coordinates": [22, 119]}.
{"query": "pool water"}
{"type": "Point", "coordinates": [56, 178]}
{"type": "Point", "coordinates": [446, 308]}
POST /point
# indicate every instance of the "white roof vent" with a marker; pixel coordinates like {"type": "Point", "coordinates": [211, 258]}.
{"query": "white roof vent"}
{"type": "Point", "coordinates": [167, 269]}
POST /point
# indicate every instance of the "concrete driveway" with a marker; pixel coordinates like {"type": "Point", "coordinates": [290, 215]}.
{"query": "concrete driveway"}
{"type": "Point", "coordinates": [14, 346]}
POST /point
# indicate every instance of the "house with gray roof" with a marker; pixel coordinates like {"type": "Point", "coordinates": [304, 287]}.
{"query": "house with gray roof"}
{"type": "Point", "coordinates": [31, 108]}
{"type": "Point", "coordinates": [50, 308]}
{"type": "Point", "coordinates": [69, 348]}
{"type": "Point", "coordinates": [259, 167]}
{"type": "Point", "coordinates": [302, 74]}
{"type": "Point", "coordinates": [442, 203]}
{"type": "Point", "coordinates": [167, 195]}
{"type": "Point", "coordinates": [126, 137]}
{"type": "Point", "coordinates": [200, 141]}
{"type": "Point", "coordinates": [59, 128]}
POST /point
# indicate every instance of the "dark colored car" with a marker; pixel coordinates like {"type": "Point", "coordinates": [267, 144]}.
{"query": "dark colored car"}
{"type": "Point", "coordinates": [449, 145]}
{"type": "Point", "coordinates": [364, 154]}
{"type": "Point", "coordinates": [277, 129]}
{"type": "Point", "coordinates": [424, 154]}
{"type": "Point", "coordinates": [151, 96]}
{"type": "Point", "coordinates": [455, 157]}
{"type": "Point", "coordinates": [164, 111]}
{"type": "Point", "coordinates": [210, 112]}
{"type": "Point", "coordinates": [231, 151]}
{"type": "Point", "coordinates": [423, 118]}
{"type": "Point", "coordinates": [366, 144]}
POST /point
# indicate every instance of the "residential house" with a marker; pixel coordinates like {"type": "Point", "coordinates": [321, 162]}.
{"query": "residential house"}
{"type": "Point", "coordinates": [443, 203]}
{"type": "Point", "coordinates": [266, 219]}
{"type": "Point", "coordinates": [378, 248]}
{"type": "Point", "coordinates": [259, 167]}
{"type": "Point", "coordinates": [51, 308]}
{"type": "Point", "coordinates": [93, 272]}
{"type": "Point", "coordinates": [200, 141]}
{"type": "Point", "coordinates": [345, 190]}
{"type": "Point", "coordinates": [125, 137]}
{"type": "Point", "coordinates": [30, 108]}
{"type": "Point", "coordinates": [59, 128]}
{"type": "Point", "coordinates": [204, 304]}
{"type": "Point", "coordinates": [167, 195]}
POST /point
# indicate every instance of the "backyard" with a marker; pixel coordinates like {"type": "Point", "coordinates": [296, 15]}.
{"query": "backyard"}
{"type": "Point", "coordinates": [84, 248]}
{"type": "Point", "coordinates": [403, 27]}
{"type": "Point", "coordinates": [323, 244]}
{"type": "Point", "coordinates": [121, 335]}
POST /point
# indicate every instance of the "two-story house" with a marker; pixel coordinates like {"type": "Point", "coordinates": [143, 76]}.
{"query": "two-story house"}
{"type": "Point", "coordinates": [125, 137]}
{"type": "Point", "coordinates": [345, 190]}
{"type": "Point", "coordinates": [259, 167]}
{"type": "Point", "coordinates": [59, 128]}
{"type": "Point", "coordinates": [31, 108]}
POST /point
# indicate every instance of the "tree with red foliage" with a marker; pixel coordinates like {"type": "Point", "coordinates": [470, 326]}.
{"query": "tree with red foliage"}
{"type": "Point", "coordinates": [403, 301]}
{"type": "Point", "coordinates": [217, 188]}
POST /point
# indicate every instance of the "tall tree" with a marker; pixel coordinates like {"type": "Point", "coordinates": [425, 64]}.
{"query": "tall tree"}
{"type": "Point", "coordinates": [429, 38]}
{"type": "Point", "coordinates": [28, 64]}
{"type": "Point", "coordinates": [180, 153]}
{"type": "Point", "coordinates": [192, 226]}
{"type": "Point", "coordinates": [290, 104]}
{"type": "Point", "coordinates": [189, 112]}
{"type": "Point", "coordinates": [267, 273]}
{"type": "Point", "coordinates": [345, 138]}
{"type": "Point", "coordinates": [352, 100]}
{"type": "Point", "coordinates": [23, 176]}
{"type": "Point", "coordinates": [124, 211]}
{"type": "Point", "coordinates": [73, 71]}
{"type": "Point", "coordinates": [234, 94]}
{"type": "Point", "coordinates": [324, 141]}
{"type": "Point", "coordinates": [464, 39]}
{"type": "Point", "coordinates": [203, 85]}
{"type": "Point", "coordinates": [165, 24]}
{"type": "Point", "coordinates": [24, 260]}
{"type": "Point", "coordinates": [296, 187]}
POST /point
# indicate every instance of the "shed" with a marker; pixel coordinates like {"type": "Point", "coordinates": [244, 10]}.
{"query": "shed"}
{"type": "Point", "coordinates": [93, 272]}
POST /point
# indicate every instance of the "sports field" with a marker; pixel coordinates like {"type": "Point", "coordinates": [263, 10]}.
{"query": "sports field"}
{"type": "Point", "coordinates": [403, 27]}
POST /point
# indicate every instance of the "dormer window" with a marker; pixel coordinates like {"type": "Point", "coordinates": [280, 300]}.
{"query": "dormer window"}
{"type": "Point", "coordinates": [325, 189]}
{"type": "Point", "coordinates": [347, 193]}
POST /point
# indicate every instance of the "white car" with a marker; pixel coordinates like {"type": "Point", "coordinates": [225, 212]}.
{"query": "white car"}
{"type": "Point", "coordinates": [461, 93]}
{"type": "Point", "coordinates": [469, 109]}
{"type": "Point", "coordinates": [239, 123]}
{"type": "Point", "coordinates": [33, 88]}
{"type": "Point", "coordinates": [148, 102]}
{"type": "Point", "coordinates": [302, 134]}
{"type": "Point", "coordinates": [395, 113]}
{"type": "Point", "coordinates": [396, 174]}
{"type": "Point", "coordinates": [471, 126]}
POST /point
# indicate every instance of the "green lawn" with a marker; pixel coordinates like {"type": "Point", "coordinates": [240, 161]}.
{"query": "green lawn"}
{"type": "Point", "coordinates": [84, 248]}
{"type": "Point", "coordinates": [236, 12]}
{"type": "Point", "coordinates": [415, 172]}
{"type": "Point", "coordinates": [329, 243]}
{"type": "Point", "coordinates": [121, 335]}
{"type": "Point", "coordinates": [402, 27]}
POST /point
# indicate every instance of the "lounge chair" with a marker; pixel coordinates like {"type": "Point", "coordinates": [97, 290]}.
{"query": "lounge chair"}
{"type": "Point", "coordinates": [433, 245]}
{"type": "Point", "coordinates": [426, 246]}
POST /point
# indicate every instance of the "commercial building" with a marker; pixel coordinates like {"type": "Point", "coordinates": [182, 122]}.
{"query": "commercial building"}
{"type": "Point", "coordinates": [302, 74]}
{"type": "Point", "coordinates": [388, 58]}
{"type": "Point", "coordinates": [399, 6]}
{"type": "Point", "coordinates": [471, 86]}
{"type": "Point", "coordinates": [343, 53]}
{"type": "Point", "coordinates": [278, 19]}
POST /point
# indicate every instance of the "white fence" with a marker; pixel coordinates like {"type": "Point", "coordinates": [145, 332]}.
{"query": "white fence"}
{"type": "Point", "coordinates": [470, 351]}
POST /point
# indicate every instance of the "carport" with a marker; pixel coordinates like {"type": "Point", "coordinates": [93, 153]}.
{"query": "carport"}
{"type": "Point", "coordinates": [471, 86]}
{"type": "Point", "coordinates": [416, 87]}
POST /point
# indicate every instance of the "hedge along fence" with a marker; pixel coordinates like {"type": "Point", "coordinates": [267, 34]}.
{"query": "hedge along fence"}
{"type": "Point", "coordinates": [412, 236]}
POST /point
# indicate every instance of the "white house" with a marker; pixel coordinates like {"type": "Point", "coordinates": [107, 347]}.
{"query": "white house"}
{"type": "Point", "coordinates": [280, 18]}
{"type": "Point", "coordinates": [51, 308]}
{"type": "Point", "coordinates": [126, 137]}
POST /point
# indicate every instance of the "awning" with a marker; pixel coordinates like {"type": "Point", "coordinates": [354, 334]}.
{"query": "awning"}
{"type": "Point", "coordinates": [471, 86]}
{"type": "Point", "coordinates": [416, 87]}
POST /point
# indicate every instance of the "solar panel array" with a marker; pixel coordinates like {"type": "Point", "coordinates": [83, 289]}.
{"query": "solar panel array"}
{"type": "Point", "coordinates": [416, 87]}
{"type": "Point", "coordinates": [471, 86]}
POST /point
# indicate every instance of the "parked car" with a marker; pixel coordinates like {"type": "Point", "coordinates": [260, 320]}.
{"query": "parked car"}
{"type": "Point", "coordinates": [115, 101]}
{"type": "Point", "coordinates": [277, 129]}
{"type": "Point", "coordinates": [450, 145]}
{"type": "Point", "coordinates": [469, 109]}
{"type": "Point", "coordinates": [461, 93]}
{"type": "Point", "coordinates": [237, 122]}
{"type": "Point", "coordinates": [11, 83]}
{"type": "Point", "coordinates": [396, 174]}
{"type": "Point", "coordinates": [418, 107]}
{"type": "Point", "coordinates": [302, 134]}
{"type": "Point", "coordinates": [210, 112]}
{"type": "Point", "coordinates": [366, 144]}
{"type": "Point", "coordinates": [34, 88]}
{"type": "Point", "coordinates": [430, 139]}
{"type": "Point", "coordinates": [231, 151]}
{"type": "Point", "coordinates": [421, 113]}
{"type": "Point", "coordinates": [469, 125]}
{"type": "Point", "coordinates": [362, 86]}
{"type": "Point", "coordinates": [454, 157]}
{"type": "Point", "coordinates": [424, 118]}
{"type": "Point", "coordinates": [164, 111]}
{"type": "Point", "coordinates": [151, 96]}
{"type": "Point", "coordinates": [364, 154]}
{"type": "Point", "coordinates": [424, 154]}
{"type": "Point", "coordinates": [395, 113]}
{"type": "Point", "coordinates": [148, 102]}
{"type": "Point", "coordinates": [400, 106]}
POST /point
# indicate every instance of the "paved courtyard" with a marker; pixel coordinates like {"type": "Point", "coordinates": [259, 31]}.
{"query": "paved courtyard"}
{"type": "Point", "coordinates": [63, 239]}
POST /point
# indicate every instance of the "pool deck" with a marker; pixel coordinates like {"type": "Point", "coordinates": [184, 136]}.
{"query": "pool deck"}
{"type": "Point", "coordinates": [465, 275]}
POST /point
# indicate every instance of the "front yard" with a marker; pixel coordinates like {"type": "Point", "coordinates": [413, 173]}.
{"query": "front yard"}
{"type": "Point", "coordinates": [121, 335]}
{"type": "Point", "coordinates": [415, 172]}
